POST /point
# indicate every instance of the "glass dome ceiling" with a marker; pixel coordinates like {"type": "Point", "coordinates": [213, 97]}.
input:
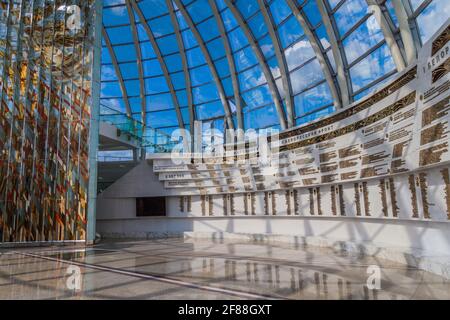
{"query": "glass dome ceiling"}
{"type": "Point", "coordinates": [253, 63]}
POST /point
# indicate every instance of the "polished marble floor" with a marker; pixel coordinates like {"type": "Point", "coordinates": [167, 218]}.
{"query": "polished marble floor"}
{"type": "Point", "coordinates": [187, 269]}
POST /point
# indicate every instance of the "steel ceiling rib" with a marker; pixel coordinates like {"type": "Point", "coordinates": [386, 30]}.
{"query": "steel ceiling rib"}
{"type": "Point", "coordinates": [117, 69]}
{"type": "Point", "coordinates": [388, 34]}
{"type": "Point", "coordinates": [342, 76]}
{"type": "Point", "coordinates": [231, 63]}
{"type": "Point", "coordinates": [209, 62]}
{"type": "Point", "coordinates": [262, 62]}
{"type": "Point", "coordinates": [187, 76]}
{"type": "Point", "coordinates": [137, 47]}
{"type": "Point", "coordinates": [160, 60]}
{"type": "Point", "coordinates": [318, 50]}
{"type": "Point", "coordinates": [286, 81]}
{"type": "Point", "coordinates": [410, 45]}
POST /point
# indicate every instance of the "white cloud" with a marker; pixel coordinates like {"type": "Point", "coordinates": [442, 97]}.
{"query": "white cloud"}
{"type": "Point", "coordinates": [433, 17]}
{"type": "Point", "coordinates": [298, 53]}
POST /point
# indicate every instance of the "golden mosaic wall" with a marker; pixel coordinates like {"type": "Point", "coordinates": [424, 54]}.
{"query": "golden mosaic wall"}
{"type": "Point", "coordinates": [46, 64]}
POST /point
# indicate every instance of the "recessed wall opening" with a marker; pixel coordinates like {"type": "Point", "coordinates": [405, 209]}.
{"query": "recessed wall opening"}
{"type": "Point", "coordinates": [151, 207]}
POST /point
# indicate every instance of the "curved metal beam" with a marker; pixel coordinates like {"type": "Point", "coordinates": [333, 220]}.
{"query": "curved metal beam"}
{"type": "Point", "coordinates": [342, 76]}
{"type": "Point", "coordinates": [137, 47]}
{"type": "Point", "coordinates": [320, 55]}
{"type": "Point", "coordinates": [285, 79]}
{"type": "Point", "coordinates": [160, 60]}
{"type": "Point", "coordinates": [388, 35]}
{"type": "Point", "coordinates": [187, 76]}
{"type": "Point", "coordinates": [231, 63]}
{"type": "Point", "coordinates": [117, 69]}
{"type": "Point", "coordinates": [209, 62]}
{"type": "Point", "coordinates": [262, 62]}
{"type": "Point", "coordinates": [405, 31]}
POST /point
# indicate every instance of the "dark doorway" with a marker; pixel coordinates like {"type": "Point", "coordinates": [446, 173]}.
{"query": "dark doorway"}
{"type": "Point", "coordinates": [151, 207]}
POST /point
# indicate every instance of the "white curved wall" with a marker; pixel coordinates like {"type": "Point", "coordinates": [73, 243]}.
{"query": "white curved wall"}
{"type": "Point", "coordinates": [375, 175]}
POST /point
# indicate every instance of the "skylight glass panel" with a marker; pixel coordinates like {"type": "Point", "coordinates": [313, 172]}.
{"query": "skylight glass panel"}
{"type": "Point", "coordinates": [156, 85]}
{"type": "Point", "coordinates": [195, 57]}
{"type": "Point", "coordinates": [120, 35]}
{"type": "Point", "coordinates": [313, 99]}
{"type": "Point", "coordinates": [168, 44]}
{"type": "Point", "coordinates": [267, 47]}
{"type": "Point", "coordinates": [306, 76]}
{"type": "Point", "coordinates": [129, 70]}
{"type": "Point", "coordinates": [110, 90]}
{"type": "Point", "coordinates": [251, 78]}
{"type": "Point", "coordinates": [237, 39]}
{"type": "Point", "coordinates": [199, 10]}
{"type": "Point", "coordinates": [247, 7]}
{"type": "Point", "coordinates": [216, 49]}
{"type": "Point", "coordinates": [289, 32]}
{"type": "Point", "coordinates": [374, 66]}
{"type": "Point", "coordinates": [108, 73]}
{"type": "Point", "coordinates": [333, 3]}
{"type": "Point", "coordinates": [114, 105]}
{"type": "Point", "coordinates": [166, 118]}
{"type": "Point", "coordinates": [298, 54]}
{"type": "Point", "coordinates": [349, 14]}
{"type": "Point", "coordinates": [228, 20]}
{"type": "Point", "coordinates": [366, 57]}
{"type": "Point", "coordinates": [152, 8]}
{"type": "Point", "coordinates": [152, 68]}
{"type": "Point", "coordinates": [279, 10]}
{"type": "Point", "coordinates": [205, 93]}
{"type": "Point", "coordinates": [159, 102]}
{"type": "Point", "coordinates": [161, 26]}
{"type": "Point", "coordinates": [314, 116]}
{"type": "Point", "coordinates": [173, 62]}
{"type": "Point", "coordinates": [210, 110]}
{"type": "Point", "coordinates": [125, 53]}
{"type": "Point", "coordinates": [261, 118]}
{"type": "Point", "coordinates": [115, 16]}
{"type": "Point", "coordinates": [257, 26]}
{"type": "Point", "coordinates": [245, 59]}
{"type": "Point", "coordinates": [366, 36]}
{"type": "Point", "coordinates": [432, 17]}
{"type": "Point", "coordinates": [257, 97]}
{"type": "Point", "coordinates": [312, 13]}
{"type": "Point", "coordinates": [208, 29]}
{"type": "Point", "coordinates": [200, 75]}
{"type": "Point", "coordinates": [178, 80]}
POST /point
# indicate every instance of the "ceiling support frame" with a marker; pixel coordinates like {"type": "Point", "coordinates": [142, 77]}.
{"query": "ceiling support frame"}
{"type": "Point", "coordinates": [388, 35]}
{"type": "Point", "coordinates": [342, 75]}
{"type": "Point", "coordinates": [231, 63]}
{"type": "Point", "coordinates": [118, 71]}
{"type": "Point", "coordinates": [209, 61]}
{"type": "Point", "coordinates": [139, 63]}
{"type": "Point", "coordinates": [184, 62]}
{"type": "Point", "coordinates": [409, 44]}
{"type": "Point", "coordinates": [287, 86]}
{"type": "Point", "coordinates": [320, 54]}
{"type": "Point", "coordinates": [262, 62]}
{"type": "Point", "coordinates": [160, 60]}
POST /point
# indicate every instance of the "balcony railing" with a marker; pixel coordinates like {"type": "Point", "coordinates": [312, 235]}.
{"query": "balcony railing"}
{"type": "Point", "coordinates": [152, 140]}
{"type": "Point", "coordinates": [125, 124]}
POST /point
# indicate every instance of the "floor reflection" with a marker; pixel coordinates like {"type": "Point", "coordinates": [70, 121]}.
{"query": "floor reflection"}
{"type": "Point", "coordinates": [123, 270]}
